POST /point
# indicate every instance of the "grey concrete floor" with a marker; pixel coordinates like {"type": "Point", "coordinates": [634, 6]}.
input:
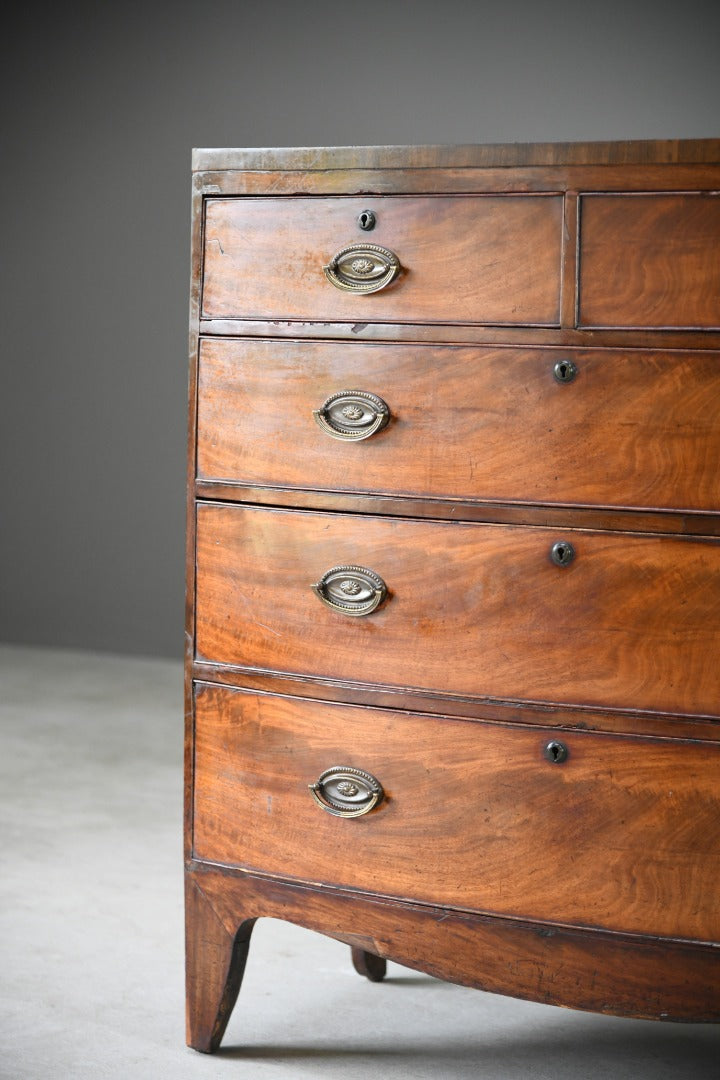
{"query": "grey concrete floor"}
{"type": "Point", "coordinates": [91, 927]}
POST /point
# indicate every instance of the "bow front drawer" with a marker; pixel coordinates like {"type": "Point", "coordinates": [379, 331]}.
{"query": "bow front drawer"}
{"type": "Point", "coordinates": [621, 833]}
{"type": "Point", "coordinates": [494, 611]}
{"type": "Point", "coordinates": [632, 428]}
{"type": "Point", "coordinates": [447, 259]}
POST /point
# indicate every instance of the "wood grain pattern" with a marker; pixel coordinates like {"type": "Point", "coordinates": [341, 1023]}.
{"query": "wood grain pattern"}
{"type": "Point", "coordinates": [622, 835]}
{"type": "Point", "coordinates": [461, 180]}
{"type": "Point", "coordinates": [368, 964]}
{"type": "Point", "coordinates": [633, 622]}
{"type": "Point", "coordinates": [618, 721]}
{"type": "Point", "coordinates": [458, 334]}
{"type": "Point", "coordinates": [466, 259]}
{"type": "Point", "coordinates": [595, 971]}
{"type": "Point", "coordinates": [215, 960]}
{"type": "Point", "coordinates": [516, 155]}
{"type": "Point", "coordinates": [650, 260]}
{"type": "Point", "coordinates": [634, 429]}
{"type": "Point", "coordinates": [568, 292]}
{"type": "Point", "coordinates": [593, 517]}
{"type": "Point", "coordinates": [494, 648]}
{"type": "Point", "coordinates": [190, 468]}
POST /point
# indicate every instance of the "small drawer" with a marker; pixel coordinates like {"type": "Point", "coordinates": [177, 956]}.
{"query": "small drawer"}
{"type": "Point", "coordinates": [460, 259]}
{"type": "Point", "coordinates": [621, 834]}
{"type": "Point", "coordinates": [633, 429]}
{"type": "Point", "coordinates": [650, 261]}
{"type": "Point", "coordinates": [629, 622]}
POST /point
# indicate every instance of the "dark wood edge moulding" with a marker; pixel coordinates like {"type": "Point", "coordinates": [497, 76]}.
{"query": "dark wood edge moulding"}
{"type": "Point", "coordinates": [498, 155]}
{"type": "Point", "coordinates": [409, 700]}
{"type": "Point", "coordinates": [540, 180]}
{"type": "Point", "coordinates": [466, 334]}
{"type": "Point", "coordinates": [699, 524]}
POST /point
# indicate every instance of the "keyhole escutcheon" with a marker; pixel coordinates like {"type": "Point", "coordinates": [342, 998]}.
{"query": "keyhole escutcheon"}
{"type": "Point", "coordinates": [565, 371]}
{"type": "Point", "coordinates": [562, 553]}
{"type": "Point", "coordinates": [366, 220]}
{"type": "Point", "coordinates": [555, 752]}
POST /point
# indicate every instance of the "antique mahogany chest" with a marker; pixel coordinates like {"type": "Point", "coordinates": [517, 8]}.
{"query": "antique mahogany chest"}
{"type": "Point", "coordinates": [453, 628]}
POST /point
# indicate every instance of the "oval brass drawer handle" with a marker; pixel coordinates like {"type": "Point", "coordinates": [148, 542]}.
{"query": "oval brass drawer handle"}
{"type": "Point", "coordinates": [351, 590]}
{"type": "Point", "coordinates": [346, 792]}
{"type": "Point", "coordinates": [352, 415]}
{"type": "Point", "coordinates": [362, 268]}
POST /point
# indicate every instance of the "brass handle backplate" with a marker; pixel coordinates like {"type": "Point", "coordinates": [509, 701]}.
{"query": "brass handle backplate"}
{"type": "Point", "coordinates": [346, 792]}
{"type": "Point", "coordinates": [362, 268]}
{"type": "Point", "coordinates": [351, 590]}
{"type": "Point", "coordinates": [352, 415]}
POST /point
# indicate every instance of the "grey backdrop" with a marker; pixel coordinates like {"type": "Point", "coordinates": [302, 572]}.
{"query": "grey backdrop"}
{"type": "Point", "coordinates": [101, 106]}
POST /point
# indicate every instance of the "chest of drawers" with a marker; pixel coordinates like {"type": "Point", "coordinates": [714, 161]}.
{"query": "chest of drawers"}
{"type": "Point", "coordinates": [453, 606]}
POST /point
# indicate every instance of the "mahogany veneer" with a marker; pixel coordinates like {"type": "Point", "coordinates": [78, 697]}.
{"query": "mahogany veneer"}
{"type": "Point", "coordinates": [499, 258]}
{"type": "Point", "coordinates": [635, 428]}
{"type": "Point", "coordinates": [418, 659]}
{"type": "Point", "coordinates": [451, 829]}
{"type": "Point", "coordinates": [650, 260]}
{"type": "Point", "coordinates": [472, 608]}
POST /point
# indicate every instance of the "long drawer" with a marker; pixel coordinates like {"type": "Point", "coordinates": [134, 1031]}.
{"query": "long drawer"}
{"type": "Point", "coordinates": [622, 834]}
{"type": "Point", "coordinates": [621, 621]}
{"type": "Point", "coordinates": [621, 428]}
{"type": "Point", "coordinates": [465, 259]}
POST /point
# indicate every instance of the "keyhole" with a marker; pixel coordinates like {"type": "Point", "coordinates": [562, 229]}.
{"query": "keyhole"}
{"type": "Point", "coordinates": [555, 752]}
{"type": "Point", "coordinates": [366, 220]}
{"type": "Point", "coordinates": [564, 371]}
{"type": "Point", "coordinates": [562, 553]}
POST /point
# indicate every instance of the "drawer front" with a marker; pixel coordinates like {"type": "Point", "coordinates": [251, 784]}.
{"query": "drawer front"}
{"type": "Point", "coordinates": [650, 260]}
{"type": "Point", "coordinates": [482, 610]}
{"type": "Point", "coordinates": [623, 834]}
{"type": "Point", "coordinates": [465, 259]}
{"type": "Point", "coordinates": [631, 428]}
